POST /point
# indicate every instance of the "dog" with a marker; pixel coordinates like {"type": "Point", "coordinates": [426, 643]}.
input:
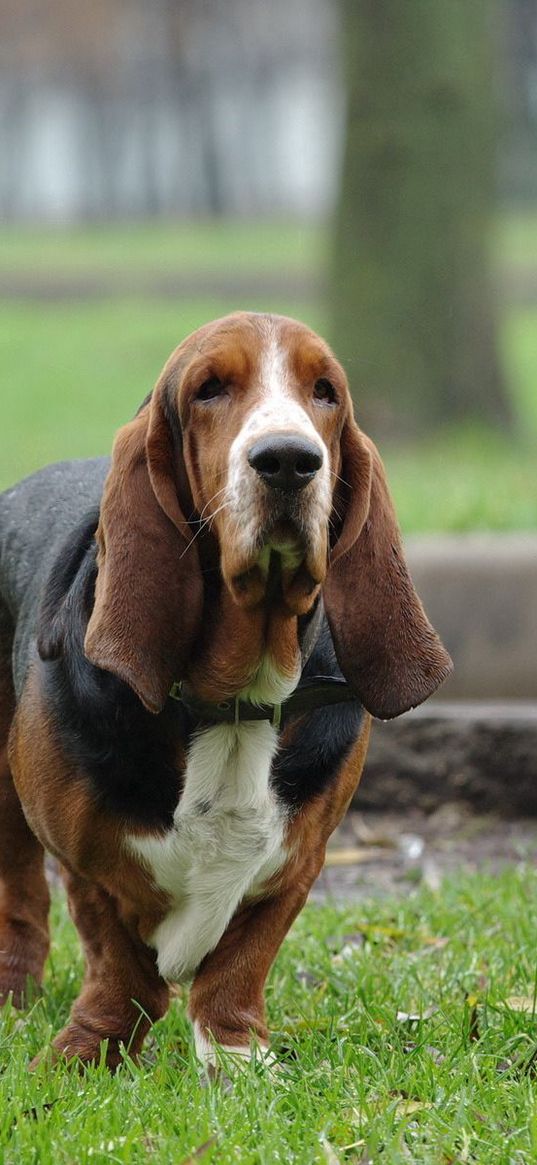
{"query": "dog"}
{"type": "Point", "coordinates": [194, 636]}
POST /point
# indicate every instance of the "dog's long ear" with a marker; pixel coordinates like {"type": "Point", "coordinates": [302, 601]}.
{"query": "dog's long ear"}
{"type": "Point", "coordinates": [385, 645]}
{"type": "Point", "coordinates": [148, 596]}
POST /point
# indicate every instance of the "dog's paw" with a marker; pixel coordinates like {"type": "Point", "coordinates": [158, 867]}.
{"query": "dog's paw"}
{"type": "Point", "coordinates": [222, 1061]}
{"type": "Point", "coordinates": [79, 1047]}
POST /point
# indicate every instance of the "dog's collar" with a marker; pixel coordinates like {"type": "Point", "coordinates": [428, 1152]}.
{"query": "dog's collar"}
{"type": "Point", "coordinates": [317, 692]}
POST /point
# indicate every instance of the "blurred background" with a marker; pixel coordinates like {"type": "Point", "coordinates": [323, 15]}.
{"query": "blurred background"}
{"type": "Point", "coordinates": [365, 165]}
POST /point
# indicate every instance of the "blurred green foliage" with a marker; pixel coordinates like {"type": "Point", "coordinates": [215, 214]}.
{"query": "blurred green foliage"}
{"type": "Point", "coordinates": [75, 369]}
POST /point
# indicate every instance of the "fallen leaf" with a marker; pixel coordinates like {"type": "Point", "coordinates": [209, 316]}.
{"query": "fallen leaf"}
{"type": "Point", "coordinates": [521, 1065]}
{"type": "Point", "coordinates": [368, 836]}
{"type": "Point", "coordinates": [310, 980]}
{"type": "Point", "coordinates": [525, 1003]}
{"type": "Point", "coordinates": [473, 1022]}
{"type": "Point", "coordinates": [330, 1154]}
{"type": "Point", "coordinates": [406, 1105]}
{"type": "Point", "coordinates": [435, 1054]}
{"type": "Point", "coordinates": [356, 939]}
{"type": "Point", "coordinates": [307, 1025]}
{"type": "Point", "coordinates": [370, 930]}
{"type": "Point", "coordinates": [354, 856]}
{"type": "Point", "coordinates": [416, 1016]}
{"type": "Point", "coordinates": [201, 1150]}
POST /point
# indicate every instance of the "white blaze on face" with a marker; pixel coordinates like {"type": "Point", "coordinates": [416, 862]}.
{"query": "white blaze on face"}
{"type": "Point", "coordinates": [277, 411]}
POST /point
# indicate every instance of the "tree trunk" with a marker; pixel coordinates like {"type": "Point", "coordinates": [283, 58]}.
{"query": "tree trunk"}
{"type": "Point", "coordinates": [413, 310]}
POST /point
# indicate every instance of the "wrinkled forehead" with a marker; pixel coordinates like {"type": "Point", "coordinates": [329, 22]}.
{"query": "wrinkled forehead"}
{"type": "Point", "coordinates": [258, 353]}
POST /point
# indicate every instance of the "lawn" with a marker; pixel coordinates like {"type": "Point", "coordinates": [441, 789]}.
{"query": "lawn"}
{"type": "Point", "coordinates": [212, 245]}
{"type": "Point", "coordinates": [406, 1031]}
{"type": "Point", "coordinates": [238, 245]}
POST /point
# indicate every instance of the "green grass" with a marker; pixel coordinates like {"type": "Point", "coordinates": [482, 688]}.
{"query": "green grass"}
{"type": "Point", "coordinates": [209, 245]}
{"type": "Point", "coordinates": [464, 480]}
{"type": "Point", "coordinates": [200, 246]}
{"type": "Point", "coordinates": [357, 1083]}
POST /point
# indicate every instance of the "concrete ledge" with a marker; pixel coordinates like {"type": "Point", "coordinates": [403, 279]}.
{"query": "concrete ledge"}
{"type": "Point", "coordinates": [480, 592]}
{"type": "Point", "coordinates": [482, 753]}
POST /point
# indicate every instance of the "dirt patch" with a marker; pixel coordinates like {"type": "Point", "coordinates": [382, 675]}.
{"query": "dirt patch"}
{"type": "Point", "coordinates": [386, 853]}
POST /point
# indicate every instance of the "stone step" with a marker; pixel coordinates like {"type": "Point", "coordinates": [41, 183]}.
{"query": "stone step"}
{"type": "Point", "coordinates": [481, 752]}
{"type": "Point", "coordinates": [480, 592]}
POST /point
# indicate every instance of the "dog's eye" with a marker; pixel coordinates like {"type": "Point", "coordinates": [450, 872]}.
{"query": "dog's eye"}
{"type": "Point", "coordinates": [210, 389]}
{"type": "Point", "coordinates": [324, 391]}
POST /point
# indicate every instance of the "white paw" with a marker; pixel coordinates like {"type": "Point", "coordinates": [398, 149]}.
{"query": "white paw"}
{"type": "Point", "coordinates": [216, 1057]}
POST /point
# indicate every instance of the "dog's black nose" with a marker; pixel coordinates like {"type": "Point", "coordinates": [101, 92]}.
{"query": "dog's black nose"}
{"type": "Point", "coordinates": [285, 461]}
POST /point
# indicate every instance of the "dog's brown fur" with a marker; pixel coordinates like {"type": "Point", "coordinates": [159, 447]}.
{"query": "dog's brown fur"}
{"type": "Point", "coordinates": [151, 624]}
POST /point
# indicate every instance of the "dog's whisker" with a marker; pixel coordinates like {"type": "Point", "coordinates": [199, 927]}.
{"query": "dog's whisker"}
{"type": "Point", "coordinates": [206, 523]}
{"type": "Point", "coordinates": [341, 479]}
{"type": "Point", "coordinates": [210, 519]}
{"type": "Point", "coordinates": [337, 513]}
{"type": "Point", "coordinates": [194, 516]}
{"type": "Point", "coordinates": [211, 500]}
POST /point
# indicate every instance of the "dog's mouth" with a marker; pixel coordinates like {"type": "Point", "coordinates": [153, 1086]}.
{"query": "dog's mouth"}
{"type": "Point", "coordinates": [284, 568]}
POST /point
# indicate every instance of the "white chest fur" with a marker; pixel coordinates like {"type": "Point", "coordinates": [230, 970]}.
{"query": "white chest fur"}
{"type": "Point", "coordinates": [227, 833]}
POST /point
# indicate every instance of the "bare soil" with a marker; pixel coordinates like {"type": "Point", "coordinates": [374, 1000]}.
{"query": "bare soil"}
{"type": "Point", "coordinates": [387, 853]}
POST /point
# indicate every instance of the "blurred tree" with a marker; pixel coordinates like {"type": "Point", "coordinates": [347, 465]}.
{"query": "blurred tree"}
{"type": "Point", "coordinates": [413, 310]}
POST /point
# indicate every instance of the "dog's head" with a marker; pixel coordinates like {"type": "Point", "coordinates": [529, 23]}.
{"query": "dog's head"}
{"type": "Point", "coordinates": [249, 439]}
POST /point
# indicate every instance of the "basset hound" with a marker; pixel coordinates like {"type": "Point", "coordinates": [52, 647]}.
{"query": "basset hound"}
{"type": "Point", "coordinates": [193, 639]}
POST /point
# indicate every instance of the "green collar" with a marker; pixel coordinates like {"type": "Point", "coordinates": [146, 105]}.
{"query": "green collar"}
{"type": "Point", "coordinates": [318, 692]}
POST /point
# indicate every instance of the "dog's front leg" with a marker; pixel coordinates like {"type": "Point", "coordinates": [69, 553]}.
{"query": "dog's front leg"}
{"type": "Point", "coordinates": [122, 993]}
{"type": "Point", "coordinates": [227, 1005]}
